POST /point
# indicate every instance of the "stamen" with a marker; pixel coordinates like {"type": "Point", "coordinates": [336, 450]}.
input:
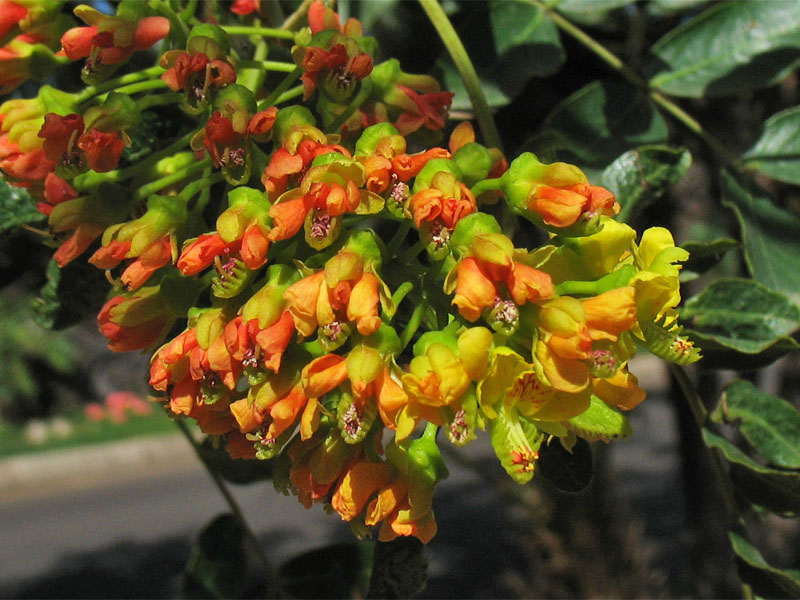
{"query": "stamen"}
{"type": "Point", "coordinates": [440, 235]}
{"type": "Point", "coordinates": [604, 364]}
{"type": "Point", "coordinates": [321, 223]}
{"type": "Point", "coordinates": [399, 192]}
{"type": "Point", "coordinates": [352, 420]}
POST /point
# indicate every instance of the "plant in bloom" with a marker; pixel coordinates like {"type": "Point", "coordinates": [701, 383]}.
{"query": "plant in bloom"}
{"type": "Point", "coordinates": [317, 286]}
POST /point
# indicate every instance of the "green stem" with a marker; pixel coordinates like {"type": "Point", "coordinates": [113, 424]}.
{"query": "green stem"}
{"type": "Point", "coordinates": [200, 185]}
{"type": "Point", "coordinates": [135, 88]}
{"type": "Point", "coordinates": [413, 323]}
{"type": "Point", "coordinates": [397, 239]}
{"type": "Point", "coordinates": [282, 87]}
{"type": "Point", "coordinates": [466, 70]}
{"type": "Point", "coordinates": [273, 578]}
{"type": "Point", "coordinates": [189, 11]}
{"type": "Point", "coordinates": [410, 253]}
{"type": "Point", "coordinates": [112, 84]}
{"type": "Point", "coordinates": [486, 185]}
{"type": "Point", "coordinates": [289, 95]}
{"type": "Point", "coordinates": [401, 292]}
{"type": "Point", "coordinates": [269, 65]}
{"type": "Point", "coordinates": [252, 76]}
{"type": "Point", "coordinates": [716, 145]}
{"type": "Point", "coordinates": [264, 31]}
{"type": "Point", "coordinates": [157, 100]}
{"type": "Point", "coordinates": [293, 19]}
{"type": "Point", "coordinates": [205, 193]}
{"type": "Point", "coordinates": [159, 184]}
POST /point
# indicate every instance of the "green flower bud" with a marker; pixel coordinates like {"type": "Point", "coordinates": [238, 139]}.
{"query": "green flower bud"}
{"type": "Point", "coordinates": [431, 168]}
{"type": "Point", "coordinates": [210, 40]}
{"type": "Point", "coordinates": [237, 103]}
{"type": "Point", "coordinates": [469, 228]}
{"type": "Point", "coordinates": [435, 337]}
{"type": "Point", "coordinates": [368, 141]}
{"type": "Point", "coordinates": [164, 215]}
{"type": "Point", "coordinates": [290, 119]}
{"type": "Point", "coordinates": [474, 161]}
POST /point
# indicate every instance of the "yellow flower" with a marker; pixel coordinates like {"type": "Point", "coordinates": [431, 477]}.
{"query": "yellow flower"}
{"type": "Point", "coordinates": [514, 381]}
{"type": "Point", "coordinates": [656, 283]}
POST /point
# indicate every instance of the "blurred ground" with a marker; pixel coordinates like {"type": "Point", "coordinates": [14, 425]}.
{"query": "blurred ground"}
{"type": "Point", "coordinates": [118, 521]}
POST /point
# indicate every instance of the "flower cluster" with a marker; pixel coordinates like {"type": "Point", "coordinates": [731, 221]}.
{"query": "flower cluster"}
{"type": "Point", "coordinates": [316, 288]}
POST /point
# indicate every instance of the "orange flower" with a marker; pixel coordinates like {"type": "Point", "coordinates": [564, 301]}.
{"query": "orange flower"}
{"type": "Point", "coordinates": [323, 374]}
{"type": "Point", "coordinates": [139, 334]}
{"type": "Point", "coordinates": [109, 41]}
{"type": "Point", "coordinates": [344, 292]}
{"type": "Point", "coordinates": [474, 290]}
{"type": "Point", "coordinates": [198, 254]}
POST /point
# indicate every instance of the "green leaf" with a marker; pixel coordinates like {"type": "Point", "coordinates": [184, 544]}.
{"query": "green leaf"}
{"type": "Point", "coordinates": [602, 120]}
{"type": "Point", "coordinates": [643, 175]}
{"type": "Point", "coordinates": [778, 491]}
{"type": "Point", "coordinates": [17, 208]}
{"type": "Point", "coordinates": [335, 571]}
{"type": "Point", "coordinates": [728, 49]}
{"type": "Point", "coordinates": [769, 423]}
{"type": "Point", "coordinates": [719, 356]}
{"type": "Point", "coordinates": [451, 81]}
{"type": "Point", "coordinates": [600, 422]}
{"type": "Point", "coordinates": [662, 8]}
{"type": "Point", "coordinates": [239, 471]}
{"type": "Point", "coordinates": [765, 581]}
{"type": "Point", "coordinates": [742, 314]}
{"type": "Point", "coordinates": [399, 569]}
{"type": "Point", "coordinates": [70, 294]}
{"type": "Point", "coordinates": [520, 26]}
{"type": "Point", "coordinates": [568, 470]}
{"type": "Point", "coordinates": [777, 151]}
{"type": "Point", "coordinates": [218, 566]}
{"type": "Point", "coordinates": [522, 45]}
{"type": "Point", "coordinates": [769, 235]}
{"type": "Point", "coordinates": [589, 12]}
{"type": "Point", "coordinates": [704, 256]}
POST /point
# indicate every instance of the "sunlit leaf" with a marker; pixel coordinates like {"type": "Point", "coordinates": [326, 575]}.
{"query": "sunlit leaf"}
{"type": "Point", "coordinates": [765, 581]}
{"type": "Point", "coordinates": [770, 237]}
{"type": "Point", "coordinates": [769, 423]}
{"type": "Point", "coordinates": [778, 491]}
{"type": "Point", "coordinates": [777, 151]}
{"type": "Point", "coordinates": [600, 422]}
{"type": "Point", "coordinates": [643, 175]}
{"type": "Point", "coordinates": [741, 314]}
{"type": "Point", "coordinates": [728, 49]}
